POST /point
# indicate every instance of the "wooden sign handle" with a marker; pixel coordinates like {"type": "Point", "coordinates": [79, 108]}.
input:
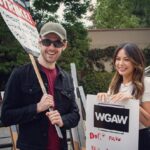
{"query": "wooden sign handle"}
{"type": "Point", "coordinates": [38, 74]}
{"type": "Point", "coordinates": [43, 88]}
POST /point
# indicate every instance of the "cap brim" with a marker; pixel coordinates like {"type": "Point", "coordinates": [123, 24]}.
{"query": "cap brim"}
{"type": "Point", "coordinates": [53, 32]}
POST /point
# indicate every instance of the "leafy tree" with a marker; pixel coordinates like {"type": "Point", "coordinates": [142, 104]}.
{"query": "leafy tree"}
{"type": "Point", "coordinates": [47, 10]}
{"type": "Point", "coordinates": [141, 9]}
{"type": "Point", "coordinates": [114, 14]}
{"type": "Point", "coordinates": [95, 82]}
{"type": "Point", "coordinates": [77, 47]}
{"type": "Point", "coordinates": [122, 14]}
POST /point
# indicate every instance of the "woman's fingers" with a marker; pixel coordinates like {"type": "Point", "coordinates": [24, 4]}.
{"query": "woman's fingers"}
{"type": "Point", "coordinates": [102, 97]}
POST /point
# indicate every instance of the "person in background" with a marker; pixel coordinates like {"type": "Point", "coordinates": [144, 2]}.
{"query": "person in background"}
{"type": "Point", "coordinates": [25, 104]}
{"type": "Point", "coordinates": [129, 83]}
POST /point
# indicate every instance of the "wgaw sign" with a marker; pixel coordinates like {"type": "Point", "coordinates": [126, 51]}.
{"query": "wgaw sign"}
{"type": "Point", "coordinates": [111, 126]}
{"type": "Point", "coordinates": [111, 118]}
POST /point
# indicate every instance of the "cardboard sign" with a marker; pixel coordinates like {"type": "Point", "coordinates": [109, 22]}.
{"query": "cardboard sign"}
{"type": "Point", "coordinates": [111, 126]}
{"type": "Point", "coordinates": [21, 25]}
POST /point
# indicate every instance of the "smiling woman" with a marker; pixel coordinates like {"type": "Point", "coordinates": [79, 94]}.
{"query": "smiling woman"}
{"type": "Point", "coordinates": [129, 82]}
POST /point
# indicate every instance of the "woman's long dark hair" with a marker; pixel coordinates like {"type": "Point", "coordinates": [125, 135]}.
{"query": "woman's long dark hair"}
{"type": "Point", "coordinates": [136, 56]}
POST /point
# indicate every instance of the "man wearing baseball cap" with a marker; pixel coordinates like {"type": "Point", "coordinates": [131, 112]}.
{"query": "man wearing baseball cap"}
{"type": "Point", "coordinates": [26, 105]}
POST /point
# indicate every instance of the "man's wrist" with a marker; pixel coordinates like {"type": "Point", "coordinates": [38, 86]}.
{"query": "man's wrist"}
{"type": "Point", "coordinates": [38, 108]}
{"type": "Point", "coordinates": [61, 124]}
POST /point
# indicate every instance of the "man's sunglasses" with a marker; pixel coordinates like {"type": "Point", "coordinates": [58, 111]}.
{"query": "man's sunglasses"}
{"type": "Point", "coordinates": [48, 42]}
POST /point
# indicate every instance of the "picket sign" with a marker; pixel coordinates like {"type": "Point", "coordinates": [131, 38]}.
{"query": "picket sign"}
{"type": "Point", "coordinates": [79, 131]}
{"type": "Point", "coordinates": [21, 24]}
{"type": "Point", "coordinates": [112, 126]}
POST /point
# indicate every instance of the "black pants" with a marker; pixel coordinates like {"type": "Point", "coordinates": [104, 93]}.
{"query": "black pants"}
{"type": "Point", "coordinates": [144, 139]}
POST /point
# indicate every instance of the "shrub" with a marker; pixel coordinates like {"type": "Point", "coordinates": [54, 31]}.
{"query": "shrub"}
{"type": "Point", "coordinates": [95, 82]}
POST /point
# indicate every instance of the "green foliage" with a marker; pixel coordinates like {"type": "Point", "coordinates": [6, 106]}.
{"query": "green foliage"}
{"type": "Point", "coordinates": [75, 9]}
{"type": "Point", "coordinates": [46, 11]}
{"type": "Point", "coordinates": [10, 58]}
{"type": "Point", "coordinates": [122, 13]}
{"type": "Point", "coordinates": [96, 54]}
{"type": "Point", "coordinates": [47, 5]}
{"type": "Point", "coordinates": [115, 14]}
{"type": "Point", "coordinates": [95, 82]}
{"type": "Point", "coordinates": [141, 9]}
{"type": "Point", "coordinates": [11, 52]}
{"type": "Point", "coordinates": [77, 47]}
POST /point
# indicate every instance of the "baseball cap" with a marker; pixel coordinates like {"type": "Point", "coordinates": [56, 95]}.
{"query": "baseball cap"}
{"type": "Point", "coordinates": [52, 27]}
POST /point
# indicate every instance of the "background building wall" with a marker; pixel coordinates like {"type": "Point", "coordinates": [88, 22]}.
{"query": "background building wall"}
{"type": "Point", "coordinates": [112, 37]}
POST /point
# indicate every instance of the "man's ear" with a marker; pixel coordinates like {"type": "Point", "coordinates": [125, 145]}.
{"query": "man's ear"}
{"type": "Point", "coordinates": [64, 48]}
{"type": "Point", "coordinates": [65, 45]}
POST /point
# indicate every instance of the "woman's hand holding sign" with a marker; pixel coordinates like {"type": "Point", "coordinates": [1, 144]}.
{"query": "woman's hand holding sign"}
{"type": "Point", "coordinates": [121, 96]}
{"type": "Point", "coordinates": [103, 97]}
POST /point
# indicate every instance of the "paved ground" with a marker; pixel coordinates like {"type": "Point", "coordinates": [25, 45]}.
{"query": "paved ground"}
{"type": "Point", "coordinates": [5, 137]}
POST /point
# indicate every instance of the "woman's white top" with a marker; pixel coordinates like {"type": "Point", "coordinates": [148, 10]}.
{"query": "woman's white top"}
{"type": "Point", "coordinates": [128, 88]}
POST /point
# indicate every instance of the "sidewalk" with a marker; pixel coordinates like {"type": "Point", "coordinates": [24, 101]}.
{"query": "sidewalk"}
{"type": "Point", "coordinates": [5, 137]}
